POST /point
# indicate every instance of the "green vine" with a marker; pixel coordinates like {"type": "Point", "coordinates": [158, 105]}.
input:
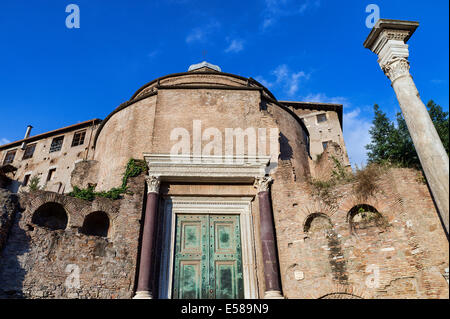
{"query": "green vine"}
{"type": "Point", "coordinates": [134, 168]}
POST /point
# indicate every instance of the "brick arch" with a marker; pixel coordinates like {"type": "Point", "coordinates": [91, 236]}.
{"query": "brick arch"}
{"type": "Point", "coordinates": [50, 215]}
{"type": "Point", "coordinates": [311, 217]}
{"type": "Point", "coordinates": [49, 197]}
{"type": "Point", "coordinates": [328, 287]}
{"type": "Point", "coordinates": [340, 295]}
{"type": "Point", "coordinates": [76, 209]}
{"type": "Point", "coordinates": [384, 207]}
{"type": "Point", "coordinates": [100, 205]}
{"type": "Point", "coordinates": [315, 207]}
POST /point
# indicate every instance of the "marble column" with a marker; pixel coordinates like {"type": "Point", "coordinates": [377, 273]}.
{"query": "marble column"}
{"type": "Point", "coordinates": [145, 288]}
{"type": "Point", "coordinates": [267, 234]}
{"type": "Point", "coordinates": [388, 40]}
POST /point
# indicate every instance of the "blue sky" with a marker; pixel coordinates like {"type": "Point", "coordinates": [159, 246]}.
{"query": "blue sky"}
{"type": "Point", "coordinates": [306, 50]}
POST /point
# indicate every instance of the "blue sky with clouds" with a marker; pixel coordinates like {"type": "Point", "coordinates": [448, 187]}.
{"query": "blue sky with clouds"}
{"type": "Point", "coordinates": [307, 50]}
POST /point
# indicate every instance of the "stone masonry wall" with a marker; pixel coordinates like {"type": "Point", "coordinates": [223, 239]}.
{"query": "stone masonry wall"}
{"type": "Point", "coordinates": [37, 262]}
{"type": "Point", "coordinates": [9, 206]}
{"type": "Point", "coordinates": [321, 255]}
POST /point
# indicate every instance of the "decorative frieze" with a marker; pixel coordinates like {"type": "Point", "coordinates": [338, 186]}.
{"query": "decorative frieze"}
{"type": "Point", "coordinates": [206, 168]}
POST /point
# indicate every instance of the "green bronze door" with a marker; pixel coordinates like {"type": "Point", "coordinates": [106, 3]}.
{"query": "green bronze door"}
{"type": "Point", "coordinates": [208, 260]}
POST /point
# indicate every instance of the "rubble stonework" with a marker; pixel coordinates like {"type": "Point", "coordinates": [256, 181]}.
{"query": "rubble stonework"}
{"type": "Point", "coordinates": [38, 262]}
{"type": "Point", "coordinates": [9, 206]}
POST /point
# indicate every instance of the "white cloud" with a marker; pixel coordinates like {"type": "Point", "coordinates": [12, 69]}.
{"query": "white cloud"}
{"type": "Point", "coordinates": [285, 78]}
{"type": "Point", "coordinates": [236, 45]}
{"type": "Point", "coordinates": [4, 141]}
{"type": "Point", "coordinates": [295, 78]}
{"type": "Point", "coordinates": [263, 81]}
{"type": "Point", "coordinates": [196, 34]}
{"type": "Point", "coordinates": [437, 81]}
{"type": "Point", "coordinates": [276, 9]}
{"type": "Point", "coordinates": [322, 98]}
{"type": "Point", "coordinates": [200, 34]}
{"type": "Point", "coordinates": [153, 54]}
{"type": "Point", "coordinates": [268, 22]}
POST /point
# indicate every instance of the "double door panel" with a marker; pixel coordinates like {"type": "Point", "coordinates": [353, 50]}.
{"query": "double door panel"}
{"type": "Point", "coordinates": [208, 262]}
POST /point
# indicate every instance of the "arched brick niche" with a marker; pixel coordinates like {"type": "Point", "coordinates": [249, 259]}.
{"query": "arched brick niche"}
{"type": "Point", "coordinates": [317, 223]}
{"type": "Point", "coordinates": [363, 218]}
{"type": "Point", "coordinates": [340, 295]}
{"type": "Point", "coordinates": [96, 224]}
{"type": "Point", "coordinates": [50, 215]}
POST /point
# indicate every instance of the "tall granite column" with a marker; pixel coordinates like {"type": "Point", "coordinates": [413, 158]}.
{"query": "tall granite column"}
{"type": "Point", "coordinates": [267, 233]}
{"type": "Point", "coordinates": [388, 40]}
{"type": "Point", "coordinates": [144, 287]}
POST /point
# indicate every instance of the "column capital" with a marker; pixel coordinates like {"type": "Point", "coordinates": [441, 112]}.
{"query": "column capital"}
{"type": "Point", "coordinates": [263, 183]}
{"type": "Point", "coordinates": [388, 41]}
{"type": "Point", "coordinates": [153, 183]}
{"type": "Point", "coordinates": [396, 68]}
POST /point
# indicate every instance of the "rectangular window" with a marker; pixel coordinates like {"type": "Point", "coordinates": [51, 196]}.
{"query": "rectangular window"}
{"type": "Point", "coordinates": [321, 118]}
{"type": "Point", "coordinates": [51, 174]}
{"type": "Point", "coordinates": [78, 138]}
{"type": "Point", "coordinates": [29, 151]}
{"type": "Point", "coordinates": [56, 144]}
{"type": "Point", "coordinates": [9, 158]}
{"type": "Point", "coordinates": [26, 179]}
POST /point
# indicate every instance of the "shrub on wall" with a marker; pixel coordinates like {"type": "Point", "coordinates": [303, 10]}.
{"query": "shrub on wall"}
{"type": "Point", "coordinates": [134, 168]}
{"type": "Point", "coordinates": [34, 184]}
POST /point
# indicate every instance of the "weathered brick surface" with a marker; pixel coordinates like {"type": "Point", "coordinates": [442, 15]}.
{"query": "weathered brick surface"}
{"type": "Point", "coordinates": [411, 253]}
{"type": "Point", "coordinates": [43, 160]}
{"type": "Point", "coordinates": [38, 262]}
{"type": "Point", "coordinates": [126, 135]}
{"type": "Point", "coordinates": [320, 253]}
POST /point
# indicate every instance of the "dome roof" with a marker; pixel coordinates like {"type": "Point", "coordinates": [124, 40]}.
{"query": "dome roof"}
{"type": "Point", "coordinates": [201, 76]}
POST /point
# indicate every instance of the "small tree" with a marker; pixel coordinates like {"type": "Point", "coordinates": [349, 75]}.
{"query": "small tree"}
{"type": "Point", "coordinates": [34, 184]}
{"type": "Point", "coordinates": [383, 134]}
{"type": "Point", "coordinates": [440, 120]}
{"type": "Point", "coordinates": [394, 144]}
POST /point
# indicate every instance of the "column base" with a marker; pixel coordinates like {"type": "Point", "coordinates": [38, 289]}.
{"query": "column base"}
{"type": "Point", "coordinates": [273, 294]}
{"type": "Point", "coordinates": [143, 295]}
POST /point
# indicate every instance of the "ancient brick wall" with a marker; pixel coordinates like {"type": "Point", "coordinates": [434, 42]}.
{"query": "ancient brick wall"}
{"type": "Point", "coordinates": [389, 244]}
{"type": "Point", "coordinates": [146, 126]}
{"type": "Point", "coordinates": [328, 252]}
{"type": "Point", "coordinates": [127, 134]}
{"type": "Point", "coordinates": [43, 262]}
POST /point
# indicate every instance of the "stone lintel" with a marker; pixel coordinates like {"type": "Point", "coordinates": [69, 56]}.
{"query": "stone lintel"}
{"type": "Point", "coordinates": [189, 168]}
